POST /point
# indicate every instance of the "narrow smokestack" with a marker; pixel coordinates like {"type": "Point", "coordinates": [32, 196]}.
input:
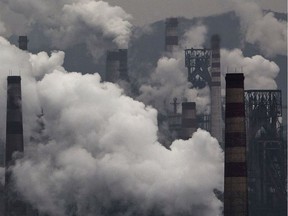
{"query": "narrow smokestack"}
{"type": "Point", "coordinates": [23, 42]}
{"type": "Point", "coordinates": [235, 186]}
{"type": "Point", "coordinates": [216, 108]}
{"type": "Point", "coordinates": [189, 122]}
{"type": "Point", "coordinates": [171, 35]}
{"type": "Point", "coordinates": [123, 64]}
{"type": "Point", "coordinates": [14, 144]}
{"type": "Point", "coordinates": [112, 66]}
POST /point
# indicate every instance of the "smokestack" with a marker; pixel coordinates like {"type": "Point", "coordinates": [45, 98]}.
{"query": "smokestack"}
{"type": "Point", "coordinates": [171, 35]}
{"type": "Point", "coordinates": [235, 185]}
{"type": "Point", "coordinates": [14, 144]}
{"type": "Point", "coordinates": [216, 107]}
{"type": "Point", "coordinates": [23, 42]}
{"type": "Point", "coordinates": [123, 64]}
{"type": "Point", "coordinates": [189, 122]}
{"type": "Point", "coordinates": [112, 66]}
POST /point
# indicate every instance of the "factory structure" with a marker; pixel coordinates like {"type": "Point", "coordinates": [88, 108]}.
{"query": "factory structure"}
{"type": "Point", "coordinates": [248, 125]}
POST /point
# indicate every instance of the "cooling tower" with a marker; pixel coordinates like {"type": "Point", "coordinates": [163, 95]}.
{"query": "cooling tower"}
{"type": "Point", "coordinates": [23, 42]}
{"type": "Point", "coordinates": [235, 186]}
{"type": "Point", "coordinates": [171, 35]}
{"type": "Point", "coordinates": [112, 66]}
{"type": "Point", "coordinates": [216, 108]}
{"type": "Point", "coordinates": [14, 145]}
{"type": "Point", "coordinates": [189, 122]}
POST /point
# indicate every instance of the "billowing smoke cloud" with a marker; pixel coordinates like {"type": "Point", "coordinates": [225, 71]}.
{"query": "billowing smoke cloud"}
{"type": "Point", "coordinates": [261, 29]}
{"type": "Point", "coordinates": [67, 23]}
{"type": "Point", "coordinates": [169, 80]}
{"type": "Point", "coordinates": [102, 156]}
{"type": "Point", "coordinates": [259, 72]}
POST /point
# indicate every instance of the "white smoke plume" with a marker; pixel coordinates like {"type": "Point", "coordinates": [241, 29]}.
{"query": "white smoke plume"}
{"type": "Point", "coordinates": [66, 23]}
{"type": "Point", "coordinates": [102, 157]}
{"type": "Point", "coordinates": [262, 29]}
{"type": "Point", "coordinates": [169, 80]}
{"type": "Point", "coordinates": [259, 72]}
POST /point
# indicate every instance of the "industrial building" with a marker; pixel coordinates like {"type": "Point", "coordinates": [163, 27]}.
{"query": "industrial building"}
{"type": "Point", "coordinates": [171, 35]}
{"type": "Point", "coordinates": [267, 153]}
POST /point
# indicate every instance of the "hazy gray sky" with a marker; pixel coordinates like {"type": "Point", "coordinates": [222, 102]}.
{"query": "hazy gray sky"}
{"type": "Point", "coordinates": [146, 11]}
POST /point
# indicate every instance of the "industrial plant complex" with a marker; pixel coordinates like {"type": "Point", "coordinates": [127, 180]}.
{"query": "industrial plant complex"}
{"type": "Point", "coordinates": [248, 124]}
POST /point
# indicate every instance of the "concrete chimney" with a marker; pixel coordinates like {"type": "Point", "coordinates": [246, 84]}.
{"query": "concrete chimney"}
{"type": "Point", "coordinates": [216, 106]}
{"type": "Point", "coordinates": [235, 183]}
{"type": "Point", "coordinates": [189, 122]}
{"type": "Point", "coordinates": [23, 42]}
{"type": "Point", "coordinates": [171, 35]}
{"type": "Point", "coordinates": [112, 66]}
{"type": "Point", "coordinates": [14, 145]}
{"type": "Point", "coordinates": [123, 64]}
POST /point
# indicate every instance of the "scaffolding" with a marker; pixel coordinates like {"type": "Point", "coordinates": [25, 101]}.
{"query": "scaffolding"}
{"type": "Point", "coordinates": [267, 151]}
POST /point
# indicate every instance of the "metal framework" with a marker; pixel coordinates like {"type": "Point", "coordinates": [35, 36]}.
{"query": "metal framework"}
{"type": "Point", "coordinates": [198, 62]}
{"type": "Point", "coordinates": [267, 163]}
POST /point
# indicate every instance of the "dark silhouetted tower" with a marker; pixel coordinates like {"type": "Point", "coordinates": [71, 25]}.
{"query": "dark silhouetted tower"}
{"type": "Point", "coordinates": [235, 185]}
{"type": "Point", "coordinates": [14, 145]}
{"type": "Point", "coordinates": [171, 35]}
{"type": "Point", "coordinates": [23, 42]}
{"type": "Point", "coordinates": [189, 122]}
{"type": "Point", "coordinates": [112, 66]}
{"type": "Point", "coordinates": [216, 103]}
{"type": "Point", "coordinates": [117, 65]}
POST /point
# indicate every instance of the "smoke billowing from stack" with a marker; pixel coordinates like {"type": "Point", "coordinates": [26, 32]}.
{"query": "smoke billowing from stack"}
{"type": "Point", "coordinates": [14, 144]}
{"type": "Point", "coordinates": [235, 185]}
{"type": "Point", "coordinates": [117, 65]}
{"type": "Point", "coordinates": [216, 108]}
{"type": "Point", "coordinates": [189, 123]}
{"type": "Point", "coordinates": [171, 35]}
{"type": "Point", "coordinates": [23, 42]}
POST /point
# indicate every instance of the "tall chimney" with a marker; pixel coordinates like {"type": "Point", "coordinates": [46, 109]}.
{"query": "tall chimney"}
{"type": "Point", "coordinates": [123, 64]}
{"type": "Point", "coordinates": [23, 42]}
{"type": "Point", "coordinates": [112, 66]}
{"type": "Point", "coordinates": [235, 183]}
{"type": "Point", "coordinates": [171, 35]}
{"type": "Point", "coordinates": [189, 123]}
{"type": "Point", "coordinates": [14, 145]}
{"type": "Point", "coordinates": [216, 107]}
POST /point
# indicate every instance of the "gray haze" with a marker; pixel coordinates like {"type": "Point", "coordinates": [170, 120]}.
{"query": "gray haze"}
{"type": "Point", "coordinates": [147, 11]}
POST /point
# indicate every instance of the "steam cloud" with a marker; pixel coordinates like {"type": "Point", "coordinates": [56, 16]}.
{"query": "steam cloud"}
{"type": "Point", "coordinates": [259, 72]}
{"type": "Point", "coordinates": [169, 80]}
{"type": "Point", "coordinates": [261, 29]}
{"type": "Point", "coordinates": [68, 23]}
{"type": "Point", "coordinates": [102, 156]}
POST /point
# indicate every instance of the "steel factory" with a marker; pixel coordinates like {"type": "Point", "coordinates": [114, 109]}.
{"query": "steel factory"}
{"type": "Point", "coordinates": [248, 124]}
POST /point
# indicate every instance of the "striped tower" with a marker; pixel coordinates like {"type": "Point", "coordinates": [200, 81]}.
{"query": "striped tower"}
{"type": "Point", "coordinates": [216, 107]}
{"type": "Point", "coordinates": [189, 122]}
{"type": "Point", "coordinates": [14, 145]}
{"type": "Point", "coordinates": [112, 66]}
{"type": "Point", "coordinates": [23, 42]}
{"type": "Point", "coordinates": [235, 186]}
{"type": "Point", "coordinates": [171, 35]}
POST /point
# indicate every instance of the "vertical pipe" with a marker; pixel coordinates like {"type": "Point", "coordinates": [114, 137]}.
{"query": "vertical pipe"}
{"type": "Point", "coordinates": [216, 107]}
{"type": "Point", "coordinates": [23, 42]}
{"type": "Point", "coordinates": [14, 145]}
{"type": "Point", "coordinates": [171, 35]}
{"type": "Point", "coordinates": [189, 123]}
{"type": "Point", "coordinates": [112, 66]}
{"type": "Point", "coordinates": [235, 186]}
